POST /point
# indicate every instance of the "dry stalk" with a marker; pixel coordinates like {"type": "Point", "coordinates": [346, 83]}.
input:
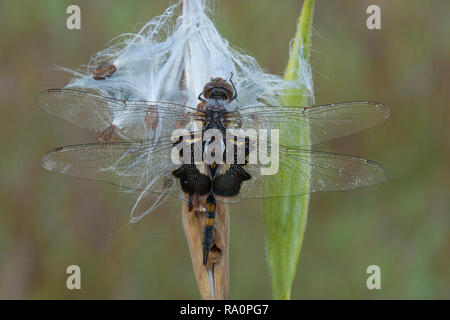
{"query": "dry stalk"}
{"type": "Point", "coordinates": [213, 279]}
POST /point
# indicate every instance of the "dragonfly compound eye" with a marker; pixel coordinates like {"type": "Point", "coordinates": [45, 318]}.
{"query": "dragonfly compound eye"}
{"type": "Point", "coordinates": [218, 88]}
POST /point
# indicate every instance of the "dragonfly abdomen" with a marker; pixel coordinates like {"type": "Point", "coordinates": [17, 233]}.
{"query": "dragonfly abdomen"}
{"type": "Point", "coordinates": [209, 226]}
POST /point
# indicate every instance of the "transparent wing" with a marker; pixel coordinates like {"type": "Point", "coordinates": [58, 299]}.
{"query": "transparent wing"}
{"type": "Point", "coordinates": [309, 171]}
{"type": "Point", "coordinates": [325, 122]}
{"type": "Point", "coordinates": [145, 166]}
{"type": "Point", "coordinates": [135, 120]}
{"type": "Point", "coordinates": [132, 166]}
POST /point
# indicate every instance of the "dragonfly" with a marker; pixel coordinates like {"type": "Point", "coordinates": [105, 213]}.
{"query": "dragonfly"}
{"type": "Point", "coordinates": [128, 154]}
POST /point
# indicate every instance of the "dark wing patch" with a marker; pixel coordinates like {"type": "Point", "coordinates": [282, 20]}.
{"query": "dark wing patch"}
{"type": "Point", "coordinates": [229, 183]}
{"type": "Point", "coordinates": [192, 181]}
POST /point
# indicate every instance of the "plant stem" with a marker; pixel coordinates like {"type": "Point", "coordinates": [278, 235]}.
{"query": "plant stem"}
{"type": "Point", "coordinates": [285, 217]}
{"type": "Point", "coordinates": [212, 280]}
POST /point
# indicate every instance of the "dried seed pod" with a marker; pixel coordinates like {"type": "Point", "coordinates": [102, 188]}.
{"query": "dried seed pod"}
{"type": "Point", "coordinates": [108, 135]}
{"type": "Point", "coordinates": [151, 119]}
{"type": "Point", "coordinates": [104, 71]}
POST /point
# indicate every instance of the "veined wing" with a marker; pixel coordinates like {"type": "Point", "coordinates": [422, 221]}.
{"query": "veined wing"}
{"type": "Point", "coordinates": [147, 166]}
{"type": "Point", "coordinates": [312, 171]}
{"type": "Point", "coordinates": [325, 122]}
{"type": "Point", "coordinates": [131, 166]}
{"type": "Point", "coordinates": [134, 119]}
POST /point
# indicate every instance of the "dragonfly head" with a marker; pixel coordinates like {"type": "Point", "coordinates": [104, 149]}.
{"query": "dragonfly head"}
{"type": "Point", "coordinates": [219, 89]}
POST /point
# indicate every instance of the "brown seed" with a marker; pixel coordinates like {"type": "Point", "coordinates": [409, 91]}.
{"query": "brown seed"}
{"type": "Point", "coordinates": [151, 118]}
{"type": "Point", "coordinates": [104, 71]}
{"type": "Point", "coordinates": [108, 135]}
{"type": "Point", "coordinates": [182, 123]}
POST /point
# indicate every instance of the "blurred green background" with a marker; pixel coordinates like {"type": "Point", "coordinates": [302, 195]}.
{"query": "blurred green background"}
{"type": "Point", "coordinates": [49, 221]}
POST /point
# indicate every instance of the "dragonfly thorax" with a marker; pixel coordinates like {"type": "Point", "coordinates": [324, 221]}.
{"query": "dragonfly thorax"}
{"type": "Point", "coordinates": [216, 115]}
